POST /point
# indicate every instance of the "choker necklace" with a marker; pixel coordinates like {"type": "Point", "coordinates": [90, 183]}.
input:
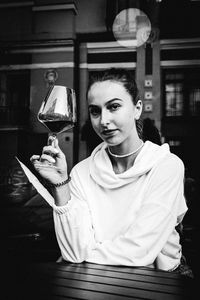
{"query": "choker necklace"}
{"type": "Point", "coordinates": [125, 155]}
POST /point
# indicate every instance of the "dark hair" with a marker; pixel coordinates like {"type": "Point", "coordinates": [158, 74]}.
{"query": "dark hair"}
{"type": "Point", "coordinates": [122, 76]}
{"type": "Point", "coordinates": [150, 131]}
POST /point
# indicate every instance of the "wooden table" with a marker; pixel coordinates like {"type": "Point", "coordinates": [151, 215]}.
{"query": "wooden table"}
{"type": "Point", "coordinates": [51, 280]}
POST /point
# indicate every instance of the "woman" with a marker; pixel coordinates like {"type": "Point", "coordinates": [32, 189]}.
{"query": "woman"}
{"type": "Point", "coordinates": [122, 203]}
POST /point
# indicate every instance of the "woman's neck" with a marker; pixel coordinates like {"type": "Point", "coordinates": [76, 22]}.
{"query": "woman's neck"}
{"type": "Point", "coordinates": [121, 166]}
{"type": "Point", "coordinates": [123, 162]}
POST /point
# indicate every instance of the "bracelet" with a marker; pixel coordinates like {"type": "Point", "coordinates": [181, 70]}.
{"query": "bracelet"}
{"type": "Point", "coordinates": [56, 185]}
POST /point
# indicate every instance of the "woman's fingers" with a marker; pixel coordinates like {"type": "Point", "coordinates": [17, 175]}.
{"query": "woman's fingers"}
{"type": "Point", "coordinates": [46, 157]}
{"type": "Point", "coordinates": [51, 156]}
{"type": "Point", "coordinates": [60, 153]}
{"type": "Point", "coordinates": [54, 150]}
{"type": "Point", "coordinates": [34, 158]}
{"type": "Point", "coordinates": [50, 150]}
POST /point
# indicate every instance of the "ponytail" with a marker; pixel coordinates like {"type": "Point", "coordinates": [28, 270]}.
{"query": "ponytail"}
{"type": "Point", "coordinates": [139, 127]}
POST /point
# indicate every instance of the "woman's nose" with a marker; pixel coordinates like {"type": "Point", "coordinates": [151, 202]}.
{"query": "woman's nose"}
{"type": "Point", "coordinates": [105, 118]}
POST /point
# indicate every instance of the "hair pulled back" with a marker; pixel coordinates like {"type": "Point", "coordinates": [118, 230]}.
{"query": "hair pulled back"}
{"type": "Point", "coordinates": [127, 79]}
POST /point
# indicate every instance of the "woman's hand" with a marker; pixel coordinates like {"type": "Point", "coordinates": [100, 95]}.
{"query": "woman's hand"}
{"type": "Point", "coordinates": [51, 165]}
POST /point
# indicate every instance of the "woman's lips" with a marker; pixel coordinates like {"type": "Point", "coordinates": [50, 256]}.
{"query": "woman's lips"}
{"type": "Point", "coordinates": [108, 132]}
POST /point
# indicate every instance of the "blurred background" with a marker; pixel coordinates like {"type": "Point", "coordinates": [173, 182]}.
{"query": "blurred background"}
{"type": "Point", "coordinates": [65, 42]}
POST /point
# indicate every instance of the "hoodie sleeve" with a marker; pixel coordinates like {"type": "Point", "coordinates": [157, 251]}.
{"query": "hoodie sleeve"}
{"type": "Point", "coordinates": [73, 224]}
{"type": "Point", "coordinates": [162, 209]}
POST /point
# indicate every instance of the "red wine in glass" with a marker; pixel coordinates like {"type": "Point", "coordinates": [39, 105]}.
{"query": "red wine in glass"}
{"type": "Point", "coordinates": [58, 110]}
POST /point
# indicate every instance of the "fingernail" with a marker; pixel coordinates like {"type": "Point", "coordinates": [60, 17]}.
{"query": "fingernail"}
{"type": "Point", "coordinates": [53, 160]}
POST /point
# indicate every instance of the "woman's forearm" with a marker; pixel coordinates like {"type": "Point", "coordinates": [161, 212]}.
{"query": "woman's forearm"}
{"type": "Point", "coordinates": [61, 194]}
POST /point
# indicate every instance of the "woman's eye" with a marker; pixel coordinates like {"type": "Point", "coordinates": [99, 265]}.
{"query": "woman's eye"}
{"type": "Point", "coordinates": [94, 111]}
{"type": "Point", "coordinates": [114, 106]}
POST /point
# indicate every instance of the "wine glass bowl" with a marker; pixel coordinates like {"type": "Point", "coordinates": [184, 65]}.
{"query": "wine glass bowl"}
{"type": "Point", "coordinates": [58, 110]}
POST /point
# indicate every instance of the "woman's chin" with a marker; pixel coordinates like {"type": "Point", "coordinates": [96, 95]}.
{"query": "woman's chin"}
{"type": "Point", "coordinates": [112, 139]}
{"type": "Point", "coordinates": [112, 143]}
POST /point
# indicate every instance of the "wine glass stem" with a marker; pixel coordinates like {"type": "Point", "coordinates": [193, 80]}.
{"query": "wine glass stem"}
{"type": "Point", "coordinates": [51, 139]}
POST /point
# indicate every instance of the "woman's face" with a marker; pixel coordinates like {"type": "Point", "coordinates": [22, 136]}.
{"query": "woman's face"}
{"type": "Point", "coordinates": [112, 112]}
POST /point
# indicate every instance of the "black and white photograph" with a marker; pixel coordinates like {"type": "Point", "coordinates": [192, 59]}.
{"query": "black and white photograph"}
{"type": "Point", "coordinates": [99, 149]}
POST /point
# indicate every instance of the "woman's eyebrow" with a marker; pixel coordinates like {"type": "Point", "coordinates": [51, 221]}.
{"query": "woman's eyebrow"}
{"type": "Point", "coordinates": [114, 99]}
{"type": "Point", "coordinates": [108, 102]}
{"type": "Point", "coordinates": [92, 105]}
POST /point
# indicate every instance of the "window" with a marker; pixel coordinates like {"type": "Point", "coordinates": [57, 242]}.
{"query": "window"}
{"type": "Point", "coordinates": [174, 99]}
{"type": "Point", "coordinates": [182, 93]}
{"type": "Point", "coordinates": [194, 101]}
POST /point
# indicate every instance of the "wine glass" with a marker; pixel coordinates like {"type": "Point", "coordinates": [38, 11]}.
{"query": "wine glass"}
{"type": "Point", "coordinates": [58, 111]}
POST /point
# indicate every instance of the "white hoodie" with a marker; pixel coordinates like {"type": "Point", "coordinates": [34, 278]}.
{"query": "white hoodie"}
{"type": "Point", "coordinates": [124, 219]}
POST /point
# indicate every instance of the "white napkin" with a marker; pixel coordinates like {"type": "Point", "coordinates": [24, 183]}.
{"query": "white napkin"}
{"type": "Point", "coordinates": [37, 184]}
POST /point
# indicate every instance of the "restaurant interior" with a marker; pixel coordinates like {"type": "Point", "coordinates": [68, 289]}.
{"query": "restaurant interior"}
{"type": "Point", "coordinates": [45, 42]}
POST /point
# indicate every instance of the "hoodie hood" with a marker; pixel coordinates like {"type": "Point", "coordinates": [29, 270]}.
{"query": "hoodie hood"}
{"type": "Point", "coordinates": [102, 172]}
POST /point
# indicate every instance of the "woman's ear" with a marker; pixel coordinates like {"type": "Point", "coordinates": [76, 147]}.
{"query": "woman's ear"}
{"type": "Point", "coordinates": [138, 109]}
